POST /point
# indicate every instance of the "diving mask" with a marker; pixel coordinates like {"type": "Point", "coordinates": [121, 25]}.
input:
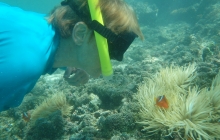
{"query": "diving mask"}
{"type": "Point", "coordinates": [117, 44]}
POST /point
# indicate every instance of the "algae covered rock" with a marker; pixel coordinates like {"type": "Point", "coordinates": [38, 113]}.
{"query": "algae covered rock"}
{"type": "Point", "coordinates": [120, 121]}
{"type": "Point", "coordinates": [50, 128]}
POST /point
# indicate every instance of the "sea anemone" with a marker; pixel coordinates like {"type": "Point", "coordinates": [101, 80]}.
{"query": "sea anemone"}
{"type": "Point", "coordinates": [192, 111]}
{"type": "Point", "coordinates": [55, 102]}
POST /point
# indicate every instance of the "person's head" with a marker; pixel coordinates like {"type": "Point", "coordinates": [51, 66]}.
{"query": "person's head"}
{"type": "Point", "coordinates": [117, 16]}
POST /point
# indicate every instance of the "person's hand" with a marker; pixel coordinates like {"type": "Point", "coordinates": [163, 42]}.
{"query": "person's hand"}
{"type": "Point", "coordinates": [75, 77]}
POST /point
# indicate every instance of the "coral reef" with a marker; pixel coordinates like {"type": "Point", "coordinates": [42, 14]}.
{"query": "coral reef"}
{"type": "Point", "coordinates": [120, 121]}
{"type": "Point", "coordinates": [192, 113]}
{"type": "Point", "coordinates": [110, 95]}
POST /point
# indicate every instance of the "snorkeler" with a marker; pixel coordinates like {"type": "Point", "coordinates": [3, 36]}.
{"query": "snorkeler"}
{"type": "Point", "coordinates": [33, 44]}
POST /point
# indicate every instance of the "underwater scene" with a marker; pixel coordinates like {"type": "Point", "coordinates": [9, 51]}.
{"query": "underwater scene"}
{"type": "Point", "coordinates": [166, 88]}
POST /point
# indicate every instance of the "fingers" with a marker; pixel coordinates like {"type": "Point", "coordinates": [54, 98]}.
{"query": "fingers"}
{"type": "Point", "coordinates": [80, 78]}
{"type": "Point", "coordinates": [69, 71]}
{"type": "Point", "coordinates": [81, 75]}
{"type": "Point", "coordinates": [76, 80]}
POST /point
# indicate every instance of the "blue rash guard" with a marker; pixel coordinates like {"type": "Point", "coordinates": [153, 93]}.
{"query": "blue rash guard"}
{"type": "Point", "coordinates": [27, 48]}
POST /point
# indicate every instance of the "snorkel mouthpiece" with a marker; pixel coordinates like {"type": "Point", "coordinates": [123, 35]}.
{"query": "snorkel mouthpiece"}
{"type": "Point", "coordinates": [101, 41]}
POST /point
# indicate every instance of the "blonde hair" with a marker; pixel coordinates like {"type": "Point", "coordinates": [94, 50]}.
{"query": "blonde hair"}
{"type": "Point", "coordinates": [117, 16]}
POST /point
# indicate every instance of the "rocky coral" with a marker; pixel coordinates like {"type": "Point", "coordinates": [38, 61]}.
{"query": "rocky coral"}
{"type": "Point", "coordinates": [51, 127]}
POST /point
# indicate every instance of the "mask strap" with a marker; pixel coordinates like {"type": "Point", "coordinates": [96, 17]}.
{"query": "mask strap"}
{"type": "Point", "coordinates": [105, 32]}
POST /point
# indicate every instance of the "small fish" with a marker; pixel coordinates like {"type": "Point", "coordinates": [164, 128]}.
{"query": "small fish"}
{"type": "Point", "coordinates": [26, 116]}
{"type": "Point", "coordinates": [162, 102]}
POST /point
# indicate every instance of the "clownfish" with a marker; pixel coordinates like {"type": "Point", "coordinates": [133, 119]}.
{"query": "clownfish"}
{"type": "Point", "coordinates": [162, 102]}
{"type": "Point", "coordinates": [26, 116]}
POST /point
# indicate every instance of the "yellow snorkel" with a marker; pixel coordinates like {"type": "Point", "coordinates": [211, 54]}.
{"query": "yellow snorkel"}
{"type": "Point", "coordinates": [101, 42]}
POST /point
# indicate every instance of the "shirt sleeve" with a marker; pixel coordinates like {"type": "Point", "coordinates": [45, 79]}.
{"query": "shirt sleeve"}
{"type": "Point", "coordinates": [27, 48]}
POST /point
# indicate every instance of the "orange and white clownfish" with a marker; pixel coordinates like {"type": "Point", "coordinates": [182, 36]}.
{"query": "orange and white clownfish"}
{"type": "Point", "coordinates": [26, 116]}
{"type": "Point", "coordinates": [162, 102]}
